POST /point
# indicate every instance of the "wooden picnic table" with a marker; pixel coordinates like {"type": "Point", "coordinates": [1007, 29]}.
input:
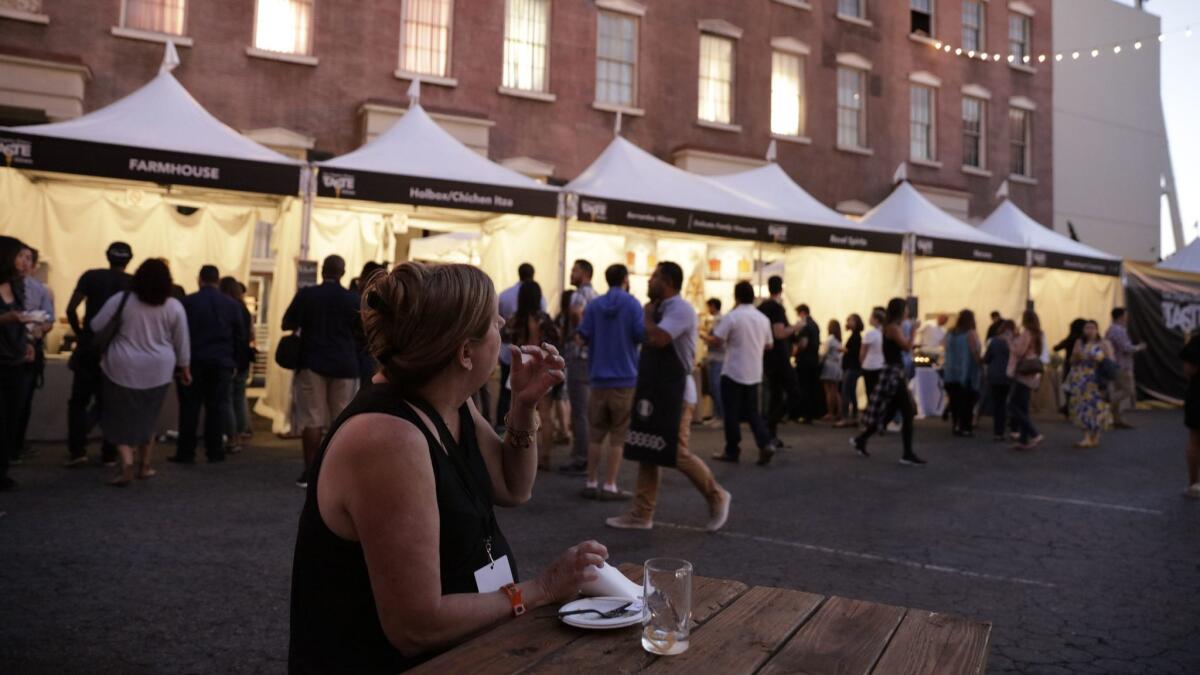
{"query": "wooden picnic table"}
{"type": "Point", "coordinates": [737, 629]}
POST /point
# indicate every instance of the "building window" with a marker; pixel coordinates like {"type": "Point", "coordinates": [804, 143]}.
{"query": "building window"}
{"type": "Point", "coordinates": [852, 108]}
{"type": "Point", "coordinates": [921, 123]}
{"type": "Point", "coordinates": [921, 13]}
{"type": "Point", "coordinates": [616, 59]}
{"type": "Point", "coordinates": [852, 8]}
{"type": "Point", "coordinates": [973, 145]}
{"type": "Point", "coordinates": [716, 79]}
{"type": "Point", "coordinates": [1019, 142]}
{"type": "Point", "coordinates": [1018, 36]}
{"type": "Point", "coordinates": [29, 6]}
{"type": "Point", "coordinates": [526, 44]}
{"type": "Point", "coordinates": [787, 94]}
{"type": "Point", "coordinates": [284, 26]}
{"type": "Point", "coordinates": [973, 23]}
{"type": "Point", "coordinates": [158, 16]}
{"type": "Point", "coordinates": [425, 37]}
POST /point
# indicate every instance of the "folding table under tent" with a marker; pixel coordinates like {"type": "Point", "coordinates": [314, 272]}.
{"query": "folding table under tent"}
{"type": "Point", "coordinates": [951, 265]}
{"type": "Point", "coordinates": [1065, 279]}
{"type": "Point", "coordinates": [833, 264]}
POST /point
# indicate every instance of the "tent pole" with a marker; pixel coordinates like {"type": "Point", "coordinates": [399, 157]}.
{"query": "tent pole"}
{"type": "Point", "coordinates": [761, 269]}
{"type": "Point", "coordinates": [309, 187]}
{"type": "Point", "coordinates": [1029, 279]}
{"type": "Point", "coordinates": [564, 214]}
{"type": "Point", "coordinates": [910, 245]}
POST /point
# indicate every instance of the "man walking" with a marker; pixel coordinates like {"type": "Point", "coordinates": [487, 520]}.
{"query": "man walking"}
{"type": "Point", "coordinates": [94, 288]}
{"type": "Point", "coordinates": [326, 315]}
{"type": "Point", "coordinates": [745, 334]}
{"type": "Point", "coordinates": [671, 323]}
{"type": "Point", "coordinates": [215, 329]}
{"type": "Point", "coordinates": [37, 298]}
{"type": "Point", "coordinates": [1122, 388]}
{"type": "Point", "coordinates": [577, 356]}
{"type": "Point", "coordinates": [611, 330]}
{"type": "Point", "coordinates": [783, 388]}
{"type": "Point", "coordinates": [508, 307]}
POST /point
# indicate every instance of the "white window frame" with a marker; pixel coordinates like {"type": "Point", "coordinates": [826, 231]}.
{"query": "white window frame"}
{"type": "Point", "coordinates": [1027, 142]}
{"type": "Point", "coordinates": [636, 18]}
{"type": "Point", "coordinates": [861, 67]}
{"type": "Point", "coordinates": [982, 28]}
{"type": "Point", "coordinates": [128, 31]}
{"type": "Point", "coordinates": [931, 146]}
{"type": "Point", "coordinates": [719, 32]}
{"type": "Point", "coordinates": [795, 49]}
{"type": "Point", "coordinates": [268, 53]}
{"type": "Point", "coordinates": [507, 88]}
{"type": "Point", "coordinates": [1027, 29]}
{"type": "Point", "coordinates": [982, 135]}
{"type": "Point", "coordinates": [860, 13]}
{"type": "Point", "coordinates": [445, 78]}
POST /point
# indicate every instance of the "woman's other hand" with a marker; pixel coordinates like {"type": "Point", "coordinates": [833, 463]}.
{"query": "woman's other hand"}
{"type": "Point", "coordinates": [535, 371]}
{"type": "Point", "coordinates": [564, 577]}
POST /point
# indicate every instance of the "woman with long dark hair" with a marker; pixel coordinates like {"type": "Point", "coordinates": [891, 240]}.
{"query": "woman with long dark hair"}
{"type": "Point", "coordinates": [851, 371]}
{"type": "Point", "coordinates": [1089, 409]}
{"type": "Point", "coordinates": [999, 383]}
{"type": "Point", "coordinates": [891, 394]}
{"type": "Point", "coordinates": [531, 327]}
{"type": "Point", "coordinates": [1025, 367]}
{"type": "Point", "coordinates": [831, 371]}
{"type": "Point", "coordinates": [560, 406]}
{"type": "Point", "coordinates": [16, 351]}
{"type": "Point", "coordinates": [150, 347]}
{"type": "Point", "coordinates": [961, 372]}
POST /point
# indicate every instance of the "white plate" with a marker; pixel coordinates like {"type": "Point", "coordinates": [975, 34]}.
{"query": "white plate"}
{"type": "Point", "coordinates": [593, 621]}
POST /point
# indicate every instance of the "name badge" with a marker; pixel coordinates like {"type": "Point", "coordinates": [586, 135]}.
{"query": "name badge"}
{"type": "Point", "coordinates": [494, 575]}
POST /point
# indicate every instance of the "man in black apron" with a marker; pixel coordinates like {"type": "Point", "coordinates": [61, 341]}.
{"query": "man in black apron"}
{"type": "Point", "coordinates": [663, 405]}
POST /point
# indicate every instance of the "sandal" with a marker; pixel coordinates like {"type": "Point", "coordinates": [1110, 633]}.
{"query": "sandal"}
{"type": "Point", "coordinates": [147, 473]}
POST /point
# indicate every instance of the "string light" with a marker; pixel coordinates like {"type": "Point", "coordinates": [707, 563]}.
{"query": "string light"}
{"type": "Point", "coordinates": [958, 52]}
{"type": "Point", "coordinates": [1058, 57]}
{"type": "Point", "coordinates": [1095, 53]}
{"type": "Point", "coordinates": [1041, 58]}
{"type": "Point", "coordinates": [996, 57]}
{"type": "Point", "coordinates": [1011, 58]}
{"type": "Point", "coordinates": [1137, 45]}
{"type": "Point", "coordinates": [1117, 49]}
{"type": "Point", "coordinates": [947, 49]}
{"type": "Point", "coordinates": [1162, 38]}
{"type": "Point", "coordinates": [971, 54]}
{"type": "Point", "coordinates": [1025, 58]}
{"type": "Point", "coordinates": [1075, 55]}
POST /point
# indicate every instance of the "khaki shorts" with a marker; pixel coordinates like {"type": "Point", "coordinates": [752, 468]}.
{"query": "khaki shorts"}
{"type": "Point", "coordinates": [609, 411]}
{"type": "Point", "coordinates": [320, 399]}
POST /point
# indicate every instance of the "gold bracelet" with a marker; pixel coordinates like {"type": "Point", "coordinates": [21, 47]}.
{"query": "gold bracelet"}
{"type": "Point", "coordinates": [519, 438]}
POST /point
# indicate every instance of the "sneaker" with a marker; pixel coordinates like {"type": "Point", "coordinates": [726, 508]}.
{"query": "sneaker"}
{"type": "Point", "coordinates": [606, 495]}
{"type": "Point", "coordinates": [723, 457]}
{"type": "Point", "coordinates": [1036, 441]}
{"type": "Point", "coordinates": [575, 468]}
{"type": "Point", "coordinates": [628, 522]}
{"type": "Point", "coordinates": [860, 447]}
{"type": "Point", "coordinates": [1193, 491]}
{"type": "Point", "coordinates": [719, 512]}
{"type": "Point", "coordinates": [912, 460]}
{"type": "Point", "coordinates": [589, 492]}
{"type": "Point", "coordinates": [765, 455]}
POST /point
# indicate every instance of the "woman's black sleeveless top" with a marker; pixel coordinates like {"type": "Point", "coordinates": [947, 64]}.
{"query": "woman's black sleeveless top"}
{"type": "Point", "coordinates": [892, 354]}
{"type": "Point", "coordinates": [335, 623]}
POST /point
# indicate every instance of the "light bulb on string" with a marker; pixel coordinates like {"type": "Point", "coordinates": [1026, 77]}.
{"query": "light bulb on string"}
{"type": "Point", "coordinates": [996, 57]}
{"type": "Point", "coordinates": [1011, 58]}
{"type": "Point", "coordinates": [947, 48]}
{"type": "Point", "coordinates": [1162, 38]}
{"type": "Point", "coordinates": [1137, 45]}
{"type": "Point", "coordinates": [937, 44]}
{"type": "Point", "coordinates": [1095, 53]}
{"type": "Point", "coordinates": [1117, 49]}
{"type": "Point", "coordinates": [1075, 55]}
{"type": "Point", "coordinates": [1041, 58]}
{"type": "Point", "coordinates": [971, 54]}
{"type": "Point", "coordinates": [1058, 57]}
{"type": "Point", "coordinates": [958, 52]}
{"type": "Point", "coordinates": [1025, 58]}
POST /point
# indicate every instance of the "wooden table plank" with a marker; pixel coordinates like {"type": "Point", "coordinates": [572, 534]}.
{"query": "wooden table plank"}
{"type": "Point", "coordinates": [928, 642]}
{"type": "Point", "coordinates": [844, 637]}
{"type": "Point", "coordinates": [508, 648]}
{"type": "Point", "coordinates": [620, 650]}
{"type": "Point", "coordinates": [744, 635]}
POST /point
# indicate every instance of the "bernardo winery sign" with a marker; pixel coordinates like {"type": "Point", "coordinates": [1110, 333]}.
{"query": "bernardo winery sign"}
{"type": "Point", "coordinates": [395, 189]}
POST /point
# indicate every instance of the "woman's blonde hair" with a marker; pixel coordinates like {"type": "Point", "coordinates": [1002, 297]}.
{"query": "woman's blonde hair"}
{"type": "Point", "coordinates": [416, 317]}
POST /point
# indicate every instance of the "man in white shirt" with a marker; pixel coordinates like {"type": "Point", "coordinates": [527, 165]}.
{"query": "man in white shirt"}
{"type": "Point", "coordinates": [932, 334]}
{"type": "Point", "coordinates": [745, 333]}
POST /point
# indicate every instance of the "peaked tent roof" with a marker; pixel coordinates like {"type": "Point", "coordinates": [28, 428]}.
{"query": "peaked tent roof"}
{"type": "Point", "coordinates": [1050, 248]}
{"type": "Point", "coordinates": [416, 161]}
{"type": "Point", "coordinates": [771, 184]}
{"type": "Point", "coordinates": [158, 133]}
{"type": "Point", "coordinates": [937, 232]}
{"type": "Point", "coordinates": [1186, 259]}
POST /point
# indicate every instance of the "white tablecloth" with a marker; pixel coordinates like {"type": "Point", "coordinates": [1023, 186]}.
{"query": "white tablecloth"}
{"type": "Point", "coordinates": [927, 390]}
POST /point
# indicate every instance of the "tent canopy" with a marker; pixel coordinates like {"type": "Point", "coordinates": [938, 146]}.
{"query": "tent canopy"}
{"type": "Point", "coordinates": [771, 184]}
{"type": "Point", "coordinates": [417, 162]}
{"type": "Point", "coordinates": [159, 133]}
{"type": "Point", "coordinates": [1050, 249]}
{"type": "Point", "coordinates": [1186, 259]}
{"type": "Point", "coordinates": [938, 233]}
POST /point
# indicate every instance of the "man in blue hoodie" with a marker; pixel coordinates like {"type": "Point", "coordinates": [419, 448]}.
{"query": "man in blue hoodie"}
{"type": "Point", "coordinates": [613, 329]}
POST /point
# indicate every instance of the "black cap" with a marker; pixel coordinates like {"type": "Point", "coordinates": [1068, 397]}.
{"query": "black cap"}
{"type": "Point", "coordinates": [119, 252]}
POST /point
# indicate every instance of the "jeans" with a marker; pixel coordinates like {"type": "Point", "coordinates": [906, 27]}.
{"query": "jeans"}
{"type": "Point", "coordinates": [783, 394]}
{"type": "Point", "coordinates": [578, 392]}
{"type": "Point", "coordinates": [650, 475]}
{"type": "Point", "coordinates": [12, 392]}
{"type": "Point", "coordinates": [999, 408]}
{"type": "Point", "coordinates": [237, 417]}
{"type": "Point", "coordinates": [850, 392]}
{"type": "Point", "coordinates": [85, 388]}
{"type": "Point", "coordinates": [209, 389]}
{"type": "Point", "coordinates": [505, 397]}
{"type": "Point", "coordinates": [962, 406]}
{"type": "Point", "coordinates": [1018, 409]}
{"type": "Point", "coordinates": [714, 388]}
{"type": "Point", "coordinates": [741, 405]}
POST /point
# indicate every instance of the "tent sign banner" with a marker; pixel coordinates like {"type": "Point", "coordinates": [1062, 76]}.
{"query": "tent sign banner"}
{"type": "Point", "coordinates": [89, 158]}
{"type": "Point", "coordinates": [1164, 308]}
{"type": "Point", "coordinates": [1077, 263]}
{"type": "Point", "coordinates": [617, 212]}
{"type": "Point", "coordinates": [965, 250]}
{"type": "Point", "coordinates": [396, 189]}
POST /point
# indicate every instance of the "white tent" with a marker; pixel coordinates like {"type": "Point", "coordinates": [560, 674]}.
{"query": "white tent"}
{"type": "Point", "coordinates": [1186, 259]}
{"type": "Point", "coordinates": [1066, 279]}
{"type": "Point", "coordinates": [952, 265]}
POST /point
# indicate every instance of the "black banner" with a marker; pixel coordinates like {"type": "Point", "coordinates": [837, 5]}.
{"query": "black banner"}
{"type": "Point", "coordinates": [1077, 263]}
{"type": "Point", "coordinates": [65, 155]}
{"type": "Point", "coordinates": [395, 189]}
{"type": "Point", "coordinates": [963, 250]}
{"type": "Point", "coordinates": [1164, 308]}
{"type": "Point", "coordinates": [616, 212]}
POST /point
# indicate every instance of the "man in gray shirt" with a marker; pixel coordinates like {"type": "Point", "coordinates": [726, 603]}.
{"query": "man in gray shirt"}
{"type": "Point", "coordinates": [576, 354]}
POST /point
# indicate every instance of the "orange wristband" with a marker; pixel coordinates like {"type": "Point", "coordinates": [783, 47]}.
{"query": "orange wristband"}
{"type": "Point", "coordinates": [514, 596]}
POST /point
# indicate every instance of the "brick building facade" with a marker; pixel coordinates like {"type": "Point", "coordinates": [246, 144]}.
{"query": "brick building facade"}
{"type": "Point", "coordinates": [336, 78]}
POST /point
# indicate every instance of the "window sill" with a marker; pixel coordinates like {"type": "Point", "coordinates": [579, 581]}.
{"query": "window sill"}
{"type": "Point", "coordinates": [544, 97]}
{"type": "Point", "coordinates": [27, 17]}
{"type": "Point", "coordinates": [925, 40]}
{"type": "Point", "coordinates": [976, 171]}
{"type": "Point", "coordinates": [799, 140]}
{"type": "Point", "coordinates": [927, 163]}
{"type": "Point", "coordinates": [438, 80]}
{"type": "Point", "coordinates": [151, 36]}
{"type": "Point", "coordinates": [1025, 180]}
{"type": "Point", "coordinates": [798, 4]}
{"type": "Point", "coordinates": [720, 126]}
{"type": "Point", "coordinates": [1023, 68]}
{"type": "Point", "coordinates": [855, 20]}
{"type": "Point", "coordinates": [855, 150]}
{"type": "Point", "coordinates": [299, 59]}
{"type": "Point", "coordinates": [614, 108]}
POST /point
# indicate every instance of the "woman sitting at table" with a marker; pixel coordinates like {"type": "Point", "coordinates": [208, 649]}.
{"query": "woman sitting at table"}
{"type": "Point", "coordinates": [394, 556]}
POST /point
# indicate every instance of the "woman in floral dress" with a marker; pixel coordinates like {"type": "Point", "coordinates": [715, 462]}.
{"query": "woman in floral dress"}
{"type": "Point", "coordinates": [1089, 409]}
